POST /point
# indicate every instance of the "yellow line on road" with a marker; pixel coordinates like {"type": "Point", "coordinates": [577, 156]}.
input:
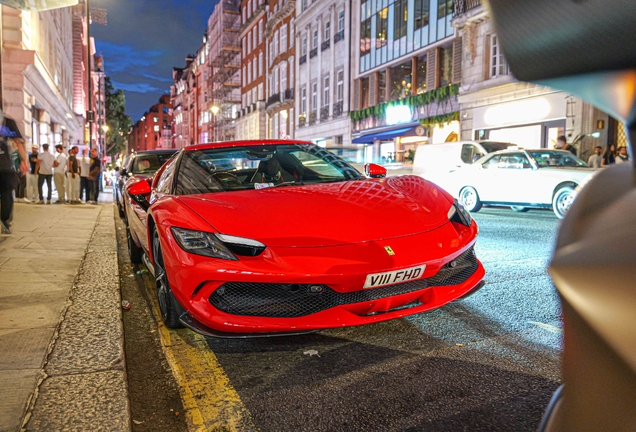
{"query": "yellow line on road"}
{"type": "Point", "coordinates": [210, 401]}
{"type": "Point", "coordinates": [548, 327]}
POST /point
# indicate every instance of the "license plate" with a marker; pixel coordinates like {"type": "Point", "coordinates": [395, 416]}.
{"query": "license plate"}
{"type": "Point", "coordinates": [376, 280]}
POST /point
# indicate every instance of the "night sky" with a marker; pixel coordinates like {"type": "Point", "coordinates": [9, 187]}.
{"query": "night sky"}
{"type": "Point", "coordinates": [144, 40]}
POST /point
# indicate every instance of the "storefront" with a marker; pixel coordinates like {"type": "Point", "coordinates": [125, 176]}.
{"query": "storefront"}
{"type": "Point", "coordinates": [531, 122]}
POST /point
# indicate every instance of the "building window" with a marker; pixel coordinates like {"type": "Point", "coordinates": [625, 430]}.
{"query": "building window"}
{"type": "Point", "coordinates": [292, 34]}
{"type": "Point", "coordinates": [445, 7]}
{"type": "Point", "coordinates": [400, 18]}
{"type": "Point", "coordinates": [260, 92]}
{"type": "Point", "coordinates": [445, 65]}
{"type": "Point", "coordinates": [249, 42]}
{"type": "Point", "coordinates": [340, 21]}
{"type": "Point", "coordinates": [303, 100]}
{"type": "Point", "coordinates": [260, 31]}
{"type": "Point", "coordinates": [260, 63]}
{"type": "Point", "coordinates": [327, 30]}
{"type": "Point", "coordinates": [421, 74]}
{"type": "Point", "coordinates": [283, 76]}
{"type": "Point", "coordinates": [314, 96]}
{"type": "Point", "coordinates": [325, 97]}
{"type": "Point", "coordinates": [401, 80]}
{"type": "Point", "coordinates": [365, 37]}
{"type": "Point", "coordinates": [303, 5]}
{"type": "Point", "coordinates": [155, 119]}
{"type": "Point", "coordinates": [156, 128]}
{"type": "Point", "coordinates": [382, 86]}
{"type": "Point", "coordinates": [254, 39]}
{"type": "Point", "coordinates": [382, 28]}
{"type": "Point", "coordinates": [364, 92]}
{"type": "Point", "coordinates": [283, 38]}
{"type": "Point", "coordinates": [340, 86]}
{"type": "Point", "coordinates": [304, 46]}
{"type": "Point", "coordinates": [421, 13]}
{"type": "Point", "coordinates": [315, 39]}
{"type": "Point", "coordinates": [276, 44]}
{"type": "Point", "coordinates": [498, 64]}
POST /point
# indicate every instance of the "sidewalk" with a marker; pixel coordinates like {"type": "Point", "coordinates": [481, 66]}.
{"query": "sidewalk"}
{"type": "Point", "coordinates": [62, 362]}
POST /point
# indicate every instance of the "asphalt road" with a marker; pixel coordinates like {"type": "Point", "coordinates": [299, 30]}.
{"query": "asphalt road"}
{"type": "Point", "coordinates": [487, 363]}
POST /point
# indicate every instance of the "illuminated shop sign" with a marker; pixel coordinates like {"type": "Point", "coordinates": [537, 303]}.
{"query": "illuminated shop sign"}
{"type": "Point", "coordinates": [398, 114]}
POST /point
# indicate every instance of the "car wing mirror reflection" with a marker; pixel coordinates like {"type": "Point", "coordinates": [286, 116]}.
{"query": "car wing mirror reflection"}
{"type": "Point", "coordinates": [374, 171]}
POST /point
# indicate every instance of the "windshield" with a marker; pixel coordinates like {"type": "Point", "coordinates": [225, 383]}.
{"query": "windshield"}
{"type": "Point", "coordinates": [259, 167]}
{"type": "Point", "coordinates": [554, 158]}
{"type": "Point", "coordinates": [149, 163]}
{"type": "Point", "coordinates": [493, 146]}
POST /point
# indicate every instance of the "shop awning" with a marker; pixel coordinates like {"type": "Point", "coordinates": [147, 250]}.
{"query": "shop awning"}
{"type": "Point", "coordinates": [386, 135]}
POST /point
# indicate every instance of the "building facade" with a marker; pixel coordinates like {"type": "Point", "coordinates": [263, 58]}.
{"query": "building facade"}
{"type": "Point", "coordinates": [406, 70]}
{"type": "Point", "coordinates": [252, 116]}
{"type": "Point", "coordinates": [154, 130]}
{"type": "Point", "coordinates": [37, 75]}
{"type": "Point", "coordinates": [182, 97]}
{"type": "Point", "coordinates": [323, 52]}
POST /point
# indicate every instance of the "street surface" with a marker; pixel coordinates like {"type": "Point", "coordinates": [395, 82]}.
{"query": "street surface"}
{"type": "Point", "coordinates": [487, 363]}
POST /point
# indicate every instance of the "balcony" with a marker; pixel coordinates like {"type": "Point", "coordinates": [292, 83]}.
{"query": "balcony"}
{"type": "Point", "coordinates": [302, 60]}
{"type": "Point", "coordinates": [288, 95]}
{"type": "Point", "coordinates": [312, 118]}
{"type": "Point", "coordinates": [324, 113]}
{"type": "Point", "coordinates": [462, 6]}
{"type": "Point", "coordinates": [273, 99]}
{"type": "Point", "coordinates": [337, 109]}
{"type": "Point", "coordinates": [325, 45]}
{"type": "Point", "coordinates": [339, 36]}
{"type": "Point", "coordinates": [313, 53]}
{"type": "Point", "coordinates": [274, 18]}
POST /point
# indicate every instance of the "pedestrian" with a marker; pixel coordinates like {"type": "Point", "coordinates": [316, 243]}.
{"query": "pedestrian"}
{"type": "Point", "coordinates": [622, 155]}
{"type": "Point", "coordinates": [32, 175]}
{"type": "Point", "coordinates": [563, 145]}
{"type": "Point", "coordinates": [20, 188]}
{"type": "Point", "coordinates": [45, 173]}
{"type": "Point", "coordinates": [94, 175]}
{"type": "Point", "coordinates": [10, 138]}
{"type": "Point", "coordinates": [73, 176]}
{"type": "Point", "coordinates": [85, 168]}
{"type": "Point", "coordinates": [609, 155]}
{"type": "Point", "coordinates": [59, 174]}
{"type": "Point", "coordinates": [596, 159]}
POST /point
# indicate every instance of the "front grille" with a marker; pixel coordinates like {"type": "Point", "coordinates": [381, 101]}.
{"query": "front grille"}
{"type": "Point", "coordinates": [295, 300]}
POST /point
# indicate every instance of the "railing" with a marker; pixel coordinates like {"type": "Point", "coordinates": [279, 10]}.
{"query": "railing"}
{"type": "Point", "coordinates": [313, 53]}
{"type": "Point", "coordinates": [325, 45]}
{"type": "Point", "coordinates": [312, 118]}
{"type": "Point", "coordinates": [289, 94]}
{"type": "Point", "coordinates": [324, 113]}
{"type": "Point", "coordinates": [337, 109]}
{"type": "Point", "coordinates": [302, 59]}
{"type": "Point", "coordinates": [462, 6]}
{"type": "Point", "coordinates": [252, 18]}
{"type": "Point", "coordinates": [275, 98]}
{"type": "Point", "coordinates": [339, 36]}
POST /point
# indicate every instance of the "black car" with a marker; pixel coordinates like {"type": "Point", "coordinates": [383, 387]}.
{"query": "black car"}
{"type": "Point", "coordinates": [139, 165]}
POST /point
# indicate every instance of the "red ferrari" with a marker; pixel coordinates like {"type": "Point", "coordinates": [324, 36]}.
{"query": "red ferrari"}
{"type": "Point", "coordinates": [261, 238]}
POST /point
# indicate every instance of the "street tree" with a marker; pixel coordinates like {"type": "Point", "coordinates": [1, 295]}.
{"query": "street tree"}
{"type": "Point", "coordinates": [118, 121]}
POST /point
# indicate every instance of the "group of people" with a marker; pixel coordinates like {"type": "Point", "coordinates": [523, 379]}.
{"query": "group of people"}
{"type": "Point", "coordinates": [75, 178]}
{"type": "Point", "coordinates": [608, 157]}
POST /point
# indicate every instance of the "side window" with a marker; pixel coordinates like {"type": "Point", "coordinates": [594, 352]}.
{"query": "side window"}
{"type": "Point", "coordinates": [491, 163]}
{"type": "Point", "coordinates": [470, 153]}
{"type": "Point", "coordinates": [514, 161]}
{"type": "Point", "coordinates": [164, 183]}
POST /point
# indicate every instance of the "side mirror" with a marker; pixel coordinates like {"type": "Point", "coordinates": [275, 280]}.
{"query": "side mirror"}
{"type": "Point", "coordinates": [139, 192]}
{"type": "Point", "coordinates": [374, 171]}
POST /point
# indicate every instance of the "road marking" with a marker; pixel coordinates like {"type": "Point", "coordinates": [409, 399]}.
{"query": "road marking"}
{"type": "Point", "coordinates": [210, 401]}
{"type": "Point", "coordinates": [548, 327]}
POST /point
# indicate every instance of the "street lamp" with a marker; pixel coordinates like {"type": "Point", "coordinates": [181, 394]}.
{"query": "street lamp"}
{"type": "Point", "coordinates": [105, 128]}
{"type": "Point", "coordinates": [215, 110]}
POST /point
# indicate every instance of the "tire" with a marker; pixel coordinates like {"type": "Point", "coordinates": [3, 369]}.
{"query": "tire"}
{"type": "Point", "coordinates": [469, 198]}
{"type": "Point", "coordinates": [170, 309]}
{"type": "Point", "coordinates": [519, 209]}
{"type": "Point", "coordinates": [562, 201]}
{"type": "Point", "coordinates": [134, 251]}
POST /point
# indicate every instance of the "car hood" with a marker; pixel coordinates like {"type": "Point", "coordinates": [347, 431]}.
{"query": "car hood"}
{"type": "Point", "coordinates": [326, 214]}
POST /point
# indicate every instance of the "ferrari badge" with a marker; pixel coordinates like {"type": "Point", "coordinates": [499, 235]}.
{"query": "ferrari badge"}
{"type": "Point", "coordinates": [389, 250]}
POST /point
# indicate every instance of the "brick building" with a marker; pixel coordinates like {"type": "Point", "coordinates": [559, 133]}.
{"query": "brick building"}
{"type": "Point", "coordinates": [154, 129]}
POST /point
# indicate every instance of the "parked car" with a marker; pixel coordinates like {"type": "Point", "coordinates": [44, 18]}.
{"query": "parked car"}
{"type": "Point", "coordinates": [139, 165]}
{"type": "Point", "coordinates": [119, 183]}
{"type": "Point", "coordinates": [521, 179]}
{"type": "Point", "coordinates": [290, 238]}
{"type": "Point", "coordinates": [435, 162]}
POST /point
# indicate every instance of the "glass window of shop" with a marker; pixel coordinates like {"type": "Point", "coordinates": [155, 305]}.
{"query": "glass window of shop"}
{"type": "Point", "coordinates": [421, 74]}
{"type": "Point", "coordinates": [401, 80]}
{"type": "Point", "coordinates": [445, 65]}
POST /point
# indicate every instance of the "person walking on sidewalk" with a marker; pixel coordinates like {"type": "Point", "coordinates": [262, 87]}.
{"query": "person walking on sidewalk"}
{"type": "Point", "coordinates": [85, 169]}
{"type": "Point", "coordinates": [59, 174]}
{"type": "Point", "coordinates": [32, 175]}
{"type": "Point", "coordinates": [622, 155]}
{"type": "Point", "coordinates": [73, 176]}
{"type": "Point", "coordinates": [20, 187]}
{"type": "Point", "coordinates": [45, 172]}
{"type": "Point", "coordinates": [93, 176]}
{"type": "Point", "coordinates": [10, 137]}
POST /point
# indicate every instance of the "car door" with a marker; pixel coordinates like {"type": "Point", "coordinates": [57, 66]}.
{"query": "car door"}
{"type": "Point", "coordinates": [511, 180]}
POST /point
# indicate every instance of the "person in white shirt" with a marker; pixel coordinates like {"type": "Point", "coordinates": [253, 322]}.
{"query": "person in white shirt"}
{"type": "Point", "coordinates": [59, 174]}
{"type": "Point", "coordinates": [44, 168]}
{"type": "Point", "coordinates": [596, 159]}
{"type": "Point", "coordinates": [622, 155]}
{"type": "Point", "coordinates": [85, 169]}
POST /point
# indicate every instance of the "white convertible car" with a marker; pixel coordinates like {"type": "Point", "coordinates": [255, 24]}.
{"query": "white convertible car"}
{"type": "Point", "coordinates": [521, 179]}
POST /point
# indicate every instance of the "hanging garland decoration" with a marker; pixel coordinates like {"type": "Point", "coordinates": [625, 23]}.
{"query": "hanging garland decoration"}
{"type": "Point", "coordinates": [440, 119]}
{"type": "Point", "coordinates": [416, 101]}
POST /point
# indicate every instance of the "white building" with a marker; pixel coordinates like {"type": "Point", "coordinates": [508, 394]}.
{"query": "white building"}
{"type": "Point", "coordinates": [323, 52]}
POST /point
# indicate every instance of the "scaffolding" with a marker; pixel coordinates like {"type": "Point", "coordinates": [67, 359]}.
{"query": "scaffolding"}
{"type": "Point", "coordinates": [224, 82]}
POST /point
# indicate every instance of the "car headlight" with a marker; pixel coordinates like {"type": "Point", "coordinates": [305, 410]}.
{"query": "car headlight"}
{"type": "Point", "coordinates": [457, 213]}
{"type": "Point", "coordinates": [202, 243]}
